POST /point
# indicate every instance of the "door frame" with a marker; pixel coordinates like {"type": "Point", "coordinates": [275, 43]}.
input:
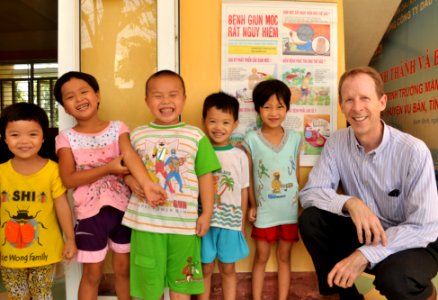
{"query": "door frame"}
{"type": "Point", "coordinates": [69, 47]}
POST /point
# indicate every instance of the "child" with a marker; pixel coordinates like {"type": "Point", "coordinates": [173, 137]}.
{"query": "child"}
{"type": "Point", "coordinates": [33, 206]}
{"type": "Point", "coordinates": [165, 242]}
{"type": "Point", "coordinates": [305, 86]}
{"type": "Point", "coordinates": [225, 239]}
{"type": "Point", "coordinates": [93, 157]}
{"type": "Point", "coordinates": [274, 155]}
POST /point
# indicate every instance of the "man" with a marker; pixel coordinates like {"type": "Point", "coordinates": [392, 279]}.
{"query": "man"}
{"type": "Point", "coordinates": [386, 220]}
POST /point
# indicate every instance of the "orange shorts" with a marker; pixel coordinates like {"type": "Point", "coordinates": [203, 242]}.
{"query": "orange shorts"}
{"type": "Point", "coordinates": [285, 232]}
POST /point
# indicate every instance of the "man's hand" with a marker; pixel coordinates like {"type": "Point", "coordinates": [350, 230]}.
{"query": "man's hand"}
{"type": "Point", "coordinates": [368, 226]}
{"type": "Point", "coordinates": [345, 272]}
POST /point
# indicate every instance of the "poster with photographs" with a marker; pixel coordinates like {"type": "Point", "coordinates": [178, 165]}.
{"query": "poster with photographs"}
{"type": "Point", "coordinates": [295, 42]}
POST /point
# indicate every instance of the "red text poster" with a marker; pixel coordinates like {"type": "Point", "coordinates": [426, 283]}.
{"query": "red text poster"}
{"type": "Point", "coordinates": [295, 42]}
{"type": "Point", "coordinates": [407, 59]}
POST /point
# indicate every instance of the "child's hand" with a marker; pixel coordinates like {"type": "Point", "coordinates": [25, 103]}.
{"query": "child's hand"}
{"type": "Point", "coordinates": [116, 167]}
{"type": "Point", "coordinates": [240, 146]}
{"type": "Point", "coordinates": [243, 228]}
{"type": "Point", "coordinates": [252, 214]}
{"type": "Point", "coordinates": [70, 250]}
{"type": "Point", "coordinates": [202, 225]}
{"type": "Point", "coordinates": [134, 186]}
{"type": "Point", "coordinates": [155, 194]}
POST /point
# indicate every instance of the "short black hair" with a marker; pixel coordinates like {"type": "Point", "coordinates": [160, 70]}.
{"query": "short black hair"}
{"type": "Point", "coordinates": [164, 73]}
{"type": "Point", "coordinates": [90, 79]}
{"type": "Point", "coordinates": [223, 102]}
{"type": "Point", "coordinates": [24, 111]}
{"type": "Point", "coordinates": [265, 89]}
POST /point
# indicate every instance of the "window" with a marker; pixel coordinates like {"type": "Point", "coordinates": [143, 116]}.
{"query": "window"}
{"type": "Point", "coordinates": [33, 83]}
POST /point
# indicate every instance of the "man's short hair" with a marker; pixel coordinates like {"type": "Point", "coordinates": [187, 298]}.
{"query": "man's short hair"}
{"type": "Point", "coordinates": [375, 76]}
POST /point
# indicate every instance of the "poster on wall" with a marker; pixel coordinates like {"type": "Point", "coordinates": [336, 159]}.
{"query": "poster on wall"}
{"type": "Point", "coordinates": [407, 59]}
{"type": "Point", "coordinates": [295, 42]}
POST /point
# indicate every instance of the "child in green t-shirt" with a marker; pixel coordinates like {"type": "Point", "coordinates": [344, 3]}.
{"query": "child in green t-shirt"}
{"type": "Point", "coordinates": [165, 243]}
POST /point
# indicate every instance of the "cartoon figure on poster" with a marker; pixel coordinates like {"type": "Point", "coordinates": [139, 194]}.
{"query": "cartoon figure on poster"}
{"type": "Point", "coordinates": [316, 132]}
{"type": "Point", "coordinates": [306, 39]}
{"type": "Point", "coordinates": [300, 40]}
{"type": "Point", "coordinates": [254, 78]}
{"type": "Point", "coordinates": [243, 95]}
{"type": "Point", "coordinates": [321, 45]}
{"type": "Point", "coordinates": [304, 89]}
{"type": "Point", "coordinates": [300, 82]}
{"type": "Point", "coordinates": [306, 86]}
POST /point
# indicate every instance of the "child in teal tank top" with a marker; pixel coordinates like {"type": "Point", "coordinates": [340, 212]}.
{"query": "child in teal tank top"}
{"type": "Point", "coordinates": [273, 198]}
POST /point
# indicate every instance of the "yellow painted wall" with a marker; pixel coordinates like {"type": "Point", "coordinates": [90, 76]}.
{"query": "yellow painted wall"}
{"type": "Point", "coordinates": [119, 47]}
{"type": "Point", "coordinates": [200, 58]}
{"type": "Point", "coordinates": [200, 35]}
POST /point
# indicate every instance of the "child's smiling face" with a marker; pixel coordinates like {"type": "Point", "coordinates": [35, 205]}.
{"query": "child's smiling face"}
{"type": "Point", "coordinates": [219, 126]}
{"type": "Point", "coordinates": [79, 99]}
{"type": "Point", "coordinates": [165, 98]}
{"type": "Point", "coordinates": [24, 138]}
{"type": "Point", "coordinates": [273, 112]}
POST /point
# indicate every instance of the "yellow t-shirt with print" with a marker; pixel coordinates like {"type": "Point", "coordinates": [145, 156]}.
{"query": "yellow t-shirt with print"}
{"type": "Point", "coordinates": [30, 235]}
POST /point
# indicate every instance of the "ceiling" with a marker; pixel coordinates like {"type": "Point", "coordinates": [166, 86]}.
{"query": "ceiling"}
{"type": "Point", "coordinates": [29, 28]}
{"type": "Point", "coordinates": [365, 22]}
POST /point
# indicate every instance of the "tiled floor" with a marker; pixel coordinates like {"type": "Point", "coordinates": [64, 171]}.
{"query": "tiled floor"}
{"type": "Point", "coordinates": [364, 285]}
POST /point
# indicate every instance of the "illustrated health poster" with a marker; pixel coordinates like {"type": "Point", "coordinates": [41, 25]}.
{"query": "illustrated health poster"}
{"type": "Point", "coordinates": [295, 42]}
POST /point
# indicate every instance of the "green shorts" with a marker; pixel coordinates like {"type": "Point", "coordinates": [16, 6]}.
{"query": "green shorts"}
{"type": "Point", "coordinates": [165, 260]}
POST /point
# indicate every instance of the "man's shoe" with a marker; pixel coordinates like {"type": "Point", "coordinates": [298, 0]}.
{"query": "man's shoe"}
{"type": "Point", "coordinates": [350, 294]}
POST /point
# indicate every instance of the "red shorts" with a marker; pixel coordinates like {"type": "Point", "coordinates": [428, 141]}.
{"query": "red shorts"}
{"type": "Point", "coordinates": [285, 232]}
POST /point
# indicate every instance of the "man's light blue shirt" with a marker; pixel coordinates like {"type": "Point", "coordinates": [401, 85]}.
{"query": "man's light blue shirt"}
{"type": "Point", "coordinates": [396, 181]}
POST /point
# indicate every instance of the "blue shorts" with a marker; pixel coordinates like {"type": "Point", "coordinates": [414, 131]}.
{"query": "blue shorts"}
{"type": "Point", "coordinates": [93, 235]}
{"type": "Point", "coordinates": [227, 245]}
